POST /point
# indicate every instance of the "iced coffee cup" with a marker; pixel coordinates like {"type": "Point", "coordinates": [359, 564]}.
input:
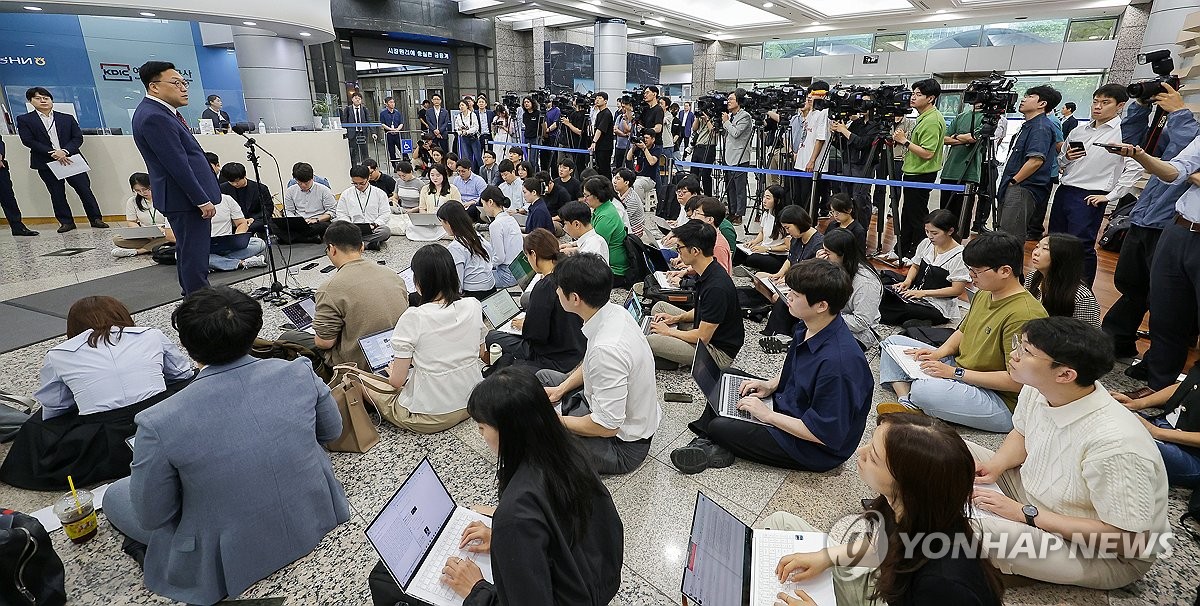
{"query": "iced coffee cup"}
{"type": "Point", "coordinates": [78, 517]}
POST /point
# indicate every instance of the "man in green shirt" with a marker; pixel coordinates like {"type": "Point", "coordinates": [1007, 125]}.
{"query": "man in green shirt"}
{"type": "Point", "coordinates": [922, 162]}
{"type": "Point", "coordinates": [598, 194]}
{"type": "Point", "coordinates": [963, 159]}
{"type": "Point", "coordinates": [966, 380]}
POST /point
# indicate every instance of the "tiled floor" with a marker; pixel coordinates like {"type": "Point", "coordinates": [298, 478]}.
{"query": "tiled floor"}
{"type": "Point", "coordinates": [655, 501]}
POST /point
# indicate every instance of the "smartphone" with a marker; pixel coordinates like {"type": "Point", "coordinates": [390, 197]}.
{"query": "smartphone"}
{"type": "Point", "coordinates": [310, 266]}
{"type": "Point", "coordinates": [1076, 145]}
{"type": "Point", "coordinates": [674, 396]}
{"type": "Point", "coordinates": [327, 269]}
{"type": "Point", "coordinates": [1116, 149]}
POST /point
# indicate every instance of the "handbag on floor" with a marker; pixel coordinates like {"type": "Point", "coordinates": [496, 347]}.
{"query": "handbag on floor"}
{"type": "Point", "coordinates": [163, 254]}
{"type": "Point", "coordinates": [351, 391]}
{"type": "Point", "coordinates": [14, 411]}
{"type": "Point", "coordinates": [30, 571]}
{"type": "Point", "coordinates": [287, 350]}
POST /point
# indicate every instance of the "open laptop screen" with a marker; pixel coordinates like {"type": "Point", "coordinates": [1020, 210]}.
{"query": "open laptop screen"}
{"type": "Point", "coordinates": [500, 308]}
{"type": "Point", "coordinates": [707, 374]}
{"type": "Point", "coordinates": [301, 313]}
{"type": "Point", "coordinates": [408, 525]}
{"type": "Point", "coordinates": [718, 556]}
{"type": "Point", "coordinates": [377, 348]}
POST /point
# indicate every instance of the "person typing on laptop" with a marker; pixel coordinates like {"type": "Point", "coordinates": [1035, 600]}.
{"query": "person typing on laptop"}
{"type": "Point", "coordinates": [308, 199]}
{"type": "Point", "coordinates": [617, 412]}
{"type": "Point", "coordinates": [555, 537]}
{"type": "Point", "coordinates": [577, 222]}
{"type": "Point", "coordinates": [716, 318]}
{"type": "Point", "coordinates": [227, 256]}
{"type": "Point", "coordinates": [363, 203]}
{"type": "Point", "coordinates": [821, 397]}
{"type": "Point", "coordinates": [361, 299]}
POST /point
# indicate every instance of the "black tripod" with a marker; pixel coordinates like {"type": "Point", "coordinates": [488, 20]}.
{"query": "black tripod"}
{"type": "Point", "coordinates": [983, 192]}
{"type": "Point", "coordinates": [881, 151]}
{"type": "Point", "coordinates": [766, 155]}
{"type": "Point", "coordinates": [275, 294]}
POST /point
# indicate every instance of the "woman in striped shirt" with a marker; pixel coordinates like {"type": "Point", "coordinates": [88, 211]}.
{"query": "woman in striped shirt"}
{"type": "Point", "coordinates": [1059, 285]}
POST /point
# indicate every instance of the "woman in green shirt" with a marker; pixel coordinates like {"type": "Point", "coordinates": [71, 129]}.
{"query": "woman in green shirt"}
{"type": "Point", "coordinates": [598, 194]}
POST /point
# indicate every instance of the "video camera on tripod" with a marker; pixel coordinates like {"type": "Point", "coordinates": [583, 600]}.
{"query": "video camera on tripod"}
{"type": "Point", "coordinates": [511, 100]}
{"type": "Point", "coordinates": [784, 100]}
{"type": "Point", "coordinates": [1160, 61]}
{"type": "Point", "coordinates": [995, 97]}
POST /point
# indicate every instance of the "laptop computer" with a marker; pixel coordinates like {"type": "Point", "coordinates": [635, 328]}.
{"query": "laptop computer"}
{"type": "Point", "coordinates": [366, 228]}
{"type": "Point", "coordinates": [230, 242]}
{"type": "Point", "coordinates": [410, 282]}
{"type": "Point", "coordinates": [722, 389]}
{"type": "Point", "coordinates": [663, 282]}
{"type": "Point", "coordinates": [420, 528]}
{"type": "Point", "coordinates": [730, 563]}
{"type": "Point", "coordinates": [501, 309]}
{"type": "Point", "coordinates": [377, 348]}
{"type": "Point", "coordinates": [425, 219]}
{"type": "Point", "coordinates": [133, 233]}
{"type": "Point", "coordinates": [771, 286]}
{"type": "Point", "coordinates": [633, 305]}
{"type": "Point", "coordinates": [520, 267]}
{"type": "Point", "coordinates": [521, 219]}
{"type": "Point", "coordinates": [289, 225]}
{"type": "Point", "coordinates": [301, 313]}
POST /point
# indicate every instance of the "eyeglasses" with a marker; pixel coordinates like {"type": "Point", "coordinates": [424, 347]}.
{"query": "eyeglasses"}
{"type": "Point", "coordinates": [141, 191]}
{"type": "Point", "coordinates": [178, 83]}
{"type": "Point", "coordinates": [1018, 351]}
{"type": "Point", "coordinates": [974, 273]}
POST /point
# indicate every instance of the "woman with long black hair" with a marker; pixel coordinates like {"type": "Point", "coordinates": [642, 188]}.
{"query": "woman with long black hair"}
{"type": "Point", "coordinates": [769, 249]}
{"type": "Point", "coordinates": [925, 477]}
{"type": "Point", "coordinates": [1057, 279]}
{"type": "Point", "coordinates": [929, 293]}
{"type": "Point", "coordinates": [555, 537]}
{"type": "Point", "coordinates": [861, 312]}
{"type": "Point", "coordinates": [472, 255]}
{"type": "Point", "coordinates": [139, 212]}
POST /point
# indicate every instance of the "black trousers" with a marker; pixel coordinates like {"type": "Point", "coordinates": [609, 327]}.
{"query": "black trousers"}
{"type": "Point", "coordinates": [1132, 279]}
{"type": "Point", "coordinates": [745, 440]}
{"type": "Point", "coordinates": [704, 154]}
{"type": "Point", "coordinates": [861, 194]}
{"type": "Point", "coordinates": [602, 159]}
{"type": "Point", "coordinates": [358, 151]}
{"type": "Point", "coordinates": [192, 242]}
{"type": "Point", "coordinates": [58, 196]}
{"type": "Point", "coordinates": [1174, 292]}
{"type": "Point", "coordinates": [8, 199]}
{"type": "Point", "coordinates": [780, 321]}
{"type": "Point", "coordinates": [759, 261]}
{"type": "Point", "coordinates": [912, 215]}
{"type": "Point", "coordinates": [393, 148]}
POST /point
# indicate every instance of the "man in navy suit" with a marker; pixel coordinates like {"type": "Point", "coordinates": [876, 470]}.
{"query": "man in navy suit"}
{"type": "Point", "coordinates": [8, 200]}
{"type": "Point", "coordinates": [53, 137]}
{"type": "Point", "coordinates": [184, 186]}
{"type": "Point", "coordinates": [438, 119]}
{"type": "Point", "coordinates": [687, 118]}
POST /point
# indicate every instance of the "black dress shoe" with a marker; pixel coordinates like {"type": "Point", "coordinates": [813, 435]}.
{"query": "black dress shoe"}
{"type": "Point", "coordinates": [21, 230]}
{"type": "Point", "coordinates": [65, 227]}
{"type": "Point", "coordinates": [1138, 372]}
{"type": "Point", "coordinates": [98, 224]}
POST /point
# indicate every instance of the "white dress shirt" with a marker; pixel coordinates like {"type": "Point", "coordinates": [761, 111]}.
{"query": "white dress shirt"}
{"type": "Point", "coordinates": [515, 193]}
{"type": "Point", "coordinates": [51, 129]}
{"type": "Point", "coordinates": [1098, 170]}
{"type": "Point", "coordinates": [106, 377]}
{"type": "Point", "coordinates": [474, 272]}
{"type": "Point", "coordinates": [318, 200]}
{"type": "Point", "coordinates": [371, 206]}
{"type": "Point", "coordinates": [1188, 162]}
{"type": "Point", "coordinates": [618, 375]}
{"type": "Point", "coordinates": [592, 242]}
{"type": "Point", "coordinates": [506, 238]}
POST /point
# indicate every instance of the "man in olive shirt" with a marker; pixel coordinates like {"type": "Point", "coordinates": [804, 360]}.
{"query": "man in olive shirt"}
{"type": "Point", "coordinates": [963, 159]}
{"type": "Point", "coordinates": [966, 379]}
{"type": "Point", "coordinates": [361, 299]}
{"type": "Point", "coordinates": [921, 163]}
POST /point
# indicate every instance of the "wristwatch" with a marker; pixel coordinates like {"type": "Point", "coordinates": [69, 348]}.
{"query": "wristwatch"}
{"type": "Point", "coordinates": [959, 372]}
{"type": "Point", "coordinates": [1013, 182]}
{"type": "Point", "coordinates": [1030, 512]}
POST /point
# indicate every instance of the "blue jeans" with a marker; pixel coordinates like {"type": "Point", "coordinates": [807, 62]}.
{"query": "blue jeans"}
{"type": "Point", "coordinates": [504, 276]}
{"type": "Point", "coordinates": [1182, 462]}
{"type": "Point", "coordinates": [229, 260]}
{"type": "Point", "coordinates": [947, 399]}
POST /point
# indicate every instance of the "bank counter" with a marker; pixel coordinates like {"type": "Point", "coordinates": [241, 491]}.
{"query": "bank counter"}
{"type": "Point", "coordinates": [114, 157]}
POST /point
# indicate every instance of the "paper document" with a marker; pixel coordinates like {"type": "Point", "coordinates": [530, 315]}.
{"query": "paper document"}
{"type": "Point", "coordinates": [50, 521]}
{"type": "Point", "coordinates": [745, 249]}
{"type": "Point", "coordinates": [911, 367]}
{"type": "Point", "coordinates": [77, 166]}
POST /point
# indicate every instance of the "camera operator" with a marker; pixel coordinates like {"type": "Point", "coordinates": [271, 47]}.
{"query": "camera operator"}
{"type": "Point", "coordinates": [531, 125]}
{"type": "Point", "coordinates": [704, 150]}
{"type": "Point", "coordinates": [1032, 158]}
{"type": "Point", "coordinates": [652, 114]}
{"type": "Point", "coordinates": [964, 157]}
{"type": "Point", "coordinates": [925, 147]}
{"type": "Point", "coordinates": [861, 134]}
{"type": "Point", "coordinates": [809, 133]}
{"type": "Point", "coordinates": [623, 131]}
{"type": "Point", "coordinates": [644, 155]}
{"type": "Point", "coordinates": [739, 129]}
{"type": "Point", "coordinates": [1139, 264]}
{"type": "Point", "coordinates": [575, 123]}
{"type": "Point", "coordinates": [602, 136]}
{"type": "Point", "coordinates": [550, 136]}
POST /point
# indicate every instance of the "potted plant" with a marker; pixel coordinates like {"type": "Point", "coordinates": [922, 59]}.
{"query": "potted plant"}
{"type": "Point", "coordinates": [320, 110]}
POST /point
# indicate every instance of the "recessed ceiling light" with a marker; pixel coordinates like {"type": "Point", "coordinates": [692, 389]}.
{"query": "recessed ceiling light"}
{"type": "Point", "coordinates": [146, 14]}
{"type": "Point", "coordinates": [29, 45]}
{"type": "Point", "coordinates": [881, 29]}
{"type": "Point", "coordinates": [774, 37]}
{"type": "Point", "coordinates": [305, 34]}
{"type": "Point", "coordinates": [768, 4]}
{"type": "Point", "coordinates": [815, 23]}
{"type": "Point", "coordinates": [940, 11]}
{"type": "Point", "coordinates": [32, 8]}
{"type": "Point", "coordinates": [251, 23]}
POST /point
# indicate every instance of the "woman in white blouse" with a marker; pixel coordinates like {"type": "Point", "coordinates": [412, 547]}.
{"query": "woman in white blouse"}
{"type": "Point", "coordinates": [433, 195]}
{"type": "Point", "coordinates": [769, 249]}
{"type": "Point", "coordinates": [472, 255]}
{"type": "Point", "coordinates": [438, 347]}
{"type": "Point", "coordinates": [929, 293]}
{"type": "Point", "coordinates": [466, 129]}
{"type": "Point", "coordinates": [139, 212]}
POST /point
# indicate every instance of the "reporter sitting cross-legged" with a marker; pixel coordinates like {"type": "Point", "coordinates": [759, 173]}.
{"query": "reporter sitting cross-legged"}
{"type": "Point", "coordinates": [1084, 497]}
{"type": "Point", "coordinates": [504, 233]}
{"type": "Point", "coordinates": [617, 411]}
{"type": "Point", "coordinates": [438, 346]}
{"type": "Point", "coordinates": [229, 221]}
{"type": "Point", "coordinates": [550, 336]}
{"type": "Point", "coordinates": [716, 319]}
{"type": "Point", "coordinates": [821, 397]}
{"type": "Point", "coordinates": [229, 480]}
{"type": "Point", "coordinates": [966, 380]}
{"type": "Point", "coordinates": [361, 299]}
{"type": "Point", "coordinates": [577, 222]}
{"type": "Point", "coordinates": [556, 537]}
{"type": "Point", "coordinates": [92, 385]}
{"type": "Point", "coordinates": [472, 254]}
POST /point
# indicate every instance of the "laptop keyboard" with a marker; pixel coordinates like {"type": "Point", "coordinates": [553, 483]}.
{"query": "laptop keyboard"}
{"type": "Point", "coordinates": [733, 395]}
{"type": "Point", "coordinates": [768, 552]}
{"type": "Point", "coordinates": [297, 316]}
{"type": "Point", "coordinates": [445, 548]}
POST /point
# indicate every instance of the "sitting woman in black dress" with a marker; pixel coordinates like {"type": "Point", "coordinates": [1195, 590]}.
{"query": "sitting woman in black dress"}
{"type": "Point", "coordinates": [556, 537]}
{"type": "Point", "coordinates": [92, 385]}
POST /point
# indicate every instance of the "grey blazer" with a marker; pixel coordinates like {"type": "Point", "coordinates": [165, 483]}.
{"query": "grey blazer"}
{"type": "Point", "coordinates": [230, 478]}
{"type": "Point", "coordinates": [738, 133]}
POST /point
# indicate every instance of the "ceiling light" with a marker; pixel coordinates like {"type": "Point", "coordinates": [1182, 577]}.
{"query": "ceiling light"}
{"type": "Point", "coordinates": [881, 29]}
{"type": "Point", "coordinates": [768, 4]}
{"type": "Point", "coordinates": [29, 45]}
{"type": "Point", "coordinates": [250, 23]}
{"type": "Point", "coordinates": [940, 11]}
{"type": "Point", "coordinates": [305, 34]}
{"type": "Point", "coordinates": [1020, 18]}
{"type": "Point", "coordinates": [815, 23]}
{"type": "Point", "coordinates": [32, 8]}
{"type": "Point", "coordinates": [146, 14]}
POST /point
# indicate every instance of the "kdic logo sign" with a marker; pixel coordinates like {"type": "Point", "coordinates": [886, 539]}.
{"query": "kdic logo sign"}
{"type": "Point", "coordinates": [116, 71]}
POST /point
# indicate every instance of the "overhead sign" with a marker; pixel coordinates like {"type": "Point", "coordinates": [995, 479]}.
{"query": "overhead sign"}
{"type": "Point", "coordinates": [400, 51]}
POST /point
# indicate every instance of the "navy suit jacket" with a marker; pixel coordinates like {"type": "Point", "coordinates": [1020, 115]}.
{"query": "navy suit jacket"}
{"type": "Point", "coordinates": [34, 136]}
{"type": "Point", "coordinates": [442, 123]}
{"type": "Point", "coordinates": [180, 176]}
{"type": "Point", "coordinates": [688, 118]}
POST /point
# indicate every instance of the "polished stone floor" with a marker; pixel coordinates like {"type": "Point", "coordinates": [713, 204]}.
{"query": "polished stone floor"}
{"type": "Point", "coordinates": [655, 501]}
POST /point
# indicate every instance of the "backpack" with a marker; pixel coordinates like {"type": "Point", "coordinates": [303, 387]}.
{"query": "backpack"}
{"type": "Point", "coordinates": [31, 573]}
{"type": "Point", "coordinates": [286, 350]}
{"type": "Point", "coordinates": [1118, 225]}
{"type": "Point", "coordinates": [163, 254]}
{"type": "Point", "coordinates": [635, 253]}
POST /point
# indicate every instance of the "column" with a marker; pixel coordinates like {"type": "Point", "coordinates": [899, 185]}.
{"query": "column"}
{"type": "Point", "coordinates": [274, 78]}
{"type": "Point", "coordinates": [608, 56]}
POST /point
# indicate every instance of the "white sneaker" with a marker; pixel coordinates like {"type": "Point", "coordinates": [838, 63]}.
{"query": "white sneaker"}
{"type": "Point", "coordinates": [124, 252]}
{"type": "Point", "coordinates": [258, 261]}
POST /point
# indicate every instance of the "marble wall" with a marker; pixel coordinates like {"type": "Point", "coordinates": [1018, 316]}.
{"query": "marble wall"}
{"type": "Point", "coordinates": [1129, 43]}
{"type": "Point", "coordinates": [514, 58]}
{"type": "Point", "coordinates": [704, 64]}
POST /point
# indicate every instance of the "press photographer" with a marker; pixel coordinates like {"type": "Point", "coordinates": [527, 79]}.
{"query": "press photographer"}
{"type": "Point", "coordinates": [865, 148]}
{"type": "Point", "coordinates": [602, 138]}
{"type": "Point", "coordinates": [809, 131]}
{"type": "Point", "coordinates": [970, 158]}
{"type": "Point", "coordinates": [652, 114]}
{"type": "Point", "coordinates": [1025, 184]}
{"type": "Point", "coordinates": [739, 130]}
{"type": "Point", "coordinates": [575, 126]}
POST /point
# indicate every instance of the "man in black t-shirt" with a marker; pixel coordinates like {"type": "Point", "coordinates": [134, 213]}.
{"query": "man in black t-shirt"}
{"type": "Point", "coordinates": [566, 179]}
{"type": "Point", "coordinates": [652, 115]}
{"type": "Point", "coordinates": [602, 138]}
{"type": "Point", "coordinates": [716, 319]}
{"type": "Point", "coordinates": [251, 195]}
{"type": "Point", "coordinates": [379, 178]}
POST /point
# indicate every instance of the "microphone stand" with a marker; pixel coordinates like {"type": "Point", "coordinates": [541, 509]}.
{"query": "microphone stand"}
{"type": "Point", "coordinates": [276, 294]}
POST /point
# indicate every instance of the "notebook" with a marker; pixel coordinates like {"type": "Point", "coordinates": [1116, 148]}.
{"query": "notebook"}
{"type": "Point", "coordinates": [911, 367]}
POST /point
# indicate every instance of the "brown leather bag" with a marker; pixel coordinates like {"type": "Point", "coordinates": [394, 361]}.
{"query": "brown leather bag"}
{"type": "Point", "coordinates": [353, 395]}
